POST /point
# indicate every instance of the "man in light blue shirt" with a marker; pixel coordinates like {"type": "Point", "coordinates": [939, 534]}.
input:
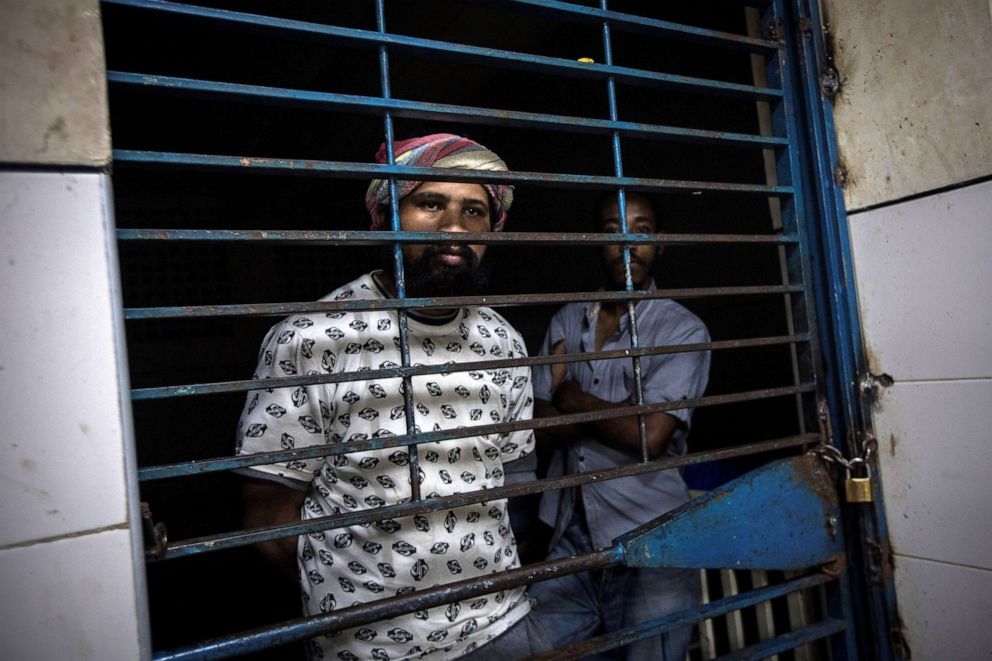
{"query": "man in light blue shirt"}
{"type": "Point", "coordinates": [591, 516]}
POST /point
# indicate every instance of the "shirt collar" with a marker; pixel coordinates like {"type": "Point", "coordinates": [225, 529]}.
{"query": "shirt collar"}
{"type": "Point", "coordinates": [591, 308]}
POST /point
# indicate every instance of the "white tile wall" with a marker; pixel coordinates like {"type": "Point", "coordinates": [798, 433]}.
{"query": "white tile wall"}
{"type": "Point", "coordinates": [935, 455]}
{"type": "Point", "coordinates": [924, 270]}
{"type": "Point", "coordinates": [61, 451]}
{"type": "Point", "coordinates": [945, 610]}
{"type": "Point", "coordinates": [70, 599]}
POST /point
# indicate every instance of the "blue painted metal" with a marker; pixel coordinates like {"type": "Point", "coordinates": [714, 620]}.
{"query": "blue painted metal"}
{"type": "Point", "coordinates": [361, 517]}
{"type": "Point", "coordinates": [282, 309]}
{"type": "Point", "coordinates": [674, 621]}
{"type": "Point", "coordinates": [370, 238]}
{"type": "Point", "coordinates": [795, 496]}
{"type": "Point", "coordinates": [785, 642]}
{"type": "Point", "coordinates": [348, 170]}
{"type": "Point", "coordinates": [435, 111]}
{"type": "Point", "coordinates": [643, 25]}
{"type": "Point", "coordinates": [257, 459]}
{"type": "Point", "coordinates": [244, 385]}
{"type": "Point", "coordinates": [775, 517]}
{"type": "Point", "coordinates": [459, 52]}
{"type": "Point", "coordinates": [611, 93]}
{"type": "Point", "coordinates": [871, 551]}
{"type": "Point", "coordinates": [811, 489]}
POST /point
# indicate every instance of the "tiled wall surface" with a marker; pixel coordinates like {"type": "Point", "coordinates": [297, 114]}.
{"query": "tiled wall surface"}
{"type": "Point", "coordinates": [70, 583]}
{"type": "Point", "coordinates": [923, 270]}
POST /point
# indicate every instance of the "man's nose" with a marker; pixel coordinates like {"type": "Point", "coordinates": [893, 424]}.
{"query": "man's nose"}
{"type": "Point", "coordinates": [452, 221]}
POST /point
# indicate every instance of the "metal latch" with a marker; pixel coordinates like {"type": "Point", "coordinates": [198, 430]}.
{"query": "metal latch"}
{"type": "Point", "coordinates": [155, 534]}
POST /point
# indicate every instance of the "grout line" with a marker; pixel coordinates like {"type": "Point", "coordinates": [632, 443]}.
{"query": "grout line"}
{"type": "Point", "coordinates": [940, 562]}
{"type": "Point", "coordinates": [923, 194]}
{"type": "Point", "coordinates": [961, 379]}
{"type": "Point", "coordinates": [124, 525]}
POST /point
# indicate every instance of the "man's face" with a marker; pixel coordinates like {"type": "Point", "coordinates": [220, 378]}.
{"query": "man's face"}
{"type": "Point", "coordinates": [444, 269]}
{"type": "Point", "coordinates": [640, 220]}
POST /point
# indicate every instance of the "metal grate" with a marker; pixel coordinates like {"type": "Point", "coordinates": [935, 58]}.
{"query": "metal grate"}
{"type": "Point", "coordinates": [779, 242]}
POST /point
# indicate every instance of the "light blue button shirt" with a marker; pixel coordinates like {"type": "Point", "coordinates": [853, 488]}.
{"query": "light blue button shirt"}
{"type": "Point", "coordinates": [617, 506]}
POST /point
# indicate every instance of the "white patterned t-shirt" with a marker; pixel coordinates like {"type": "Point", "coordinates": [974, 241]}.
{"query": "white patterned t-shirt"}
{"type": "Point", "coordinates": [358, 564]}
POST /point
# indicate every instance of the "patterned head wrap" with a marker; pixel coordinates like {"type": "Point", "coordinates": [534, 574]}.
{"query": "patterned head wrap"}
{"type": "Point", "coordinates": [440, 150]}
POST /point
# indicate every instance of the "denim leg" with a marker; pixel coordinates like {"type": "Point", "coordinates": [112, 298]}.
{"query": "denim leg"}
{"type": "Point", "coordinates": [637, 595]}
{"type": "Point", "coordinates": [567, 607]}
{"type": "Point", "coordinates": [523, 639]}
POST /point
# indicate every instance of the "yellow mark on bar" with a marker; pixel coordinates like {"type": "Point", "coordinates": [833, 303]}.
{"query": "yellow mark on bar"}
{"type": "Point", "coordinates": [586, 60]}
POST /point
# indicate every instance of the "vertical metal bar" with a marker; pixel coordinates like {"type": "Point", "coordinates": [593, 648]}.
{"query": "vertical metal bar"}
{"type": "Point", "coordinates": [783, 71]}
{"type": "Point", "coordinates": [847, 350]}
{"type": "Point", "coordinates": [759, 66]}
{"type": "Point", "coordinates": [400, 277]}
{"type": "Point", "coordinates": [611, 90]}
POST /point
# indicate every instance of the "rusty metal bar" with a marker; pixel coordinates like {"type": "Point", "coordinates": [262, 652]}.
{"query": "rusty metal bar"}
{"type": "Point", "coordinates": [346, 618]}
{"type": "Point", "coordinates": [458, 52]}
{"type": "Point", "coordinates": [283, 309]}
{"type": "Point", "coordinates": [681, 619]}
{"type": "Point", "coordinates": [262, 458]}
{"type": "Point", "coordinates": [642, 25]}
{"type": "Point", "coordinates": [611, 93]}
{"type": "Point", "coordinates": [308, 627]}
{"type": "Point", "coordinates": [378, 238]}
{"type": "Point", "coordinates": [434, 111]}
{"type": "Point", "coordinates": [244, 385]}
{"type": "Point", "coordinates": [353, 170]}
{"type": "Point", "coordinates": [785, 642]}
{"type": "Point", "coordinates": [398, 266]}
{"type": "Point", "coordinates": [222, 541]}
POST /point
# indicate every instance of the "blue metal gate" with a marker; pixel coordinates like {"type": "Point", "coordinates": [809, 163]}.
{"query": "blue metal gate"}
{"type": "Point", "coordinates": [781, 516]}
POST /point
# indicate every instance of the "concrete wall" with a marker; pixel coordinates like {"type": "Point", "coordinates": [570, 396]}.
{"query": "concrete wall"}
{"type": "Point", "coordinates": [71, 581]}
{"type": "Point", "coordinates": [914, 115]}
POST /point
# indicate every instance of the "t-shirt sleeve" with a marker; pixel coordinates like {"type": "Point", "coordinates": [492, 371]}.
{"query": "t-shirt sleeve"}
{"type": "Point", "coordinates": [517, 444]}
{"type": "Point", "coordinates": [678, 376]}
{"type": "Point", "coordinates": [542, 373]}
{"type": "Point", "coordinates": [284, 418]}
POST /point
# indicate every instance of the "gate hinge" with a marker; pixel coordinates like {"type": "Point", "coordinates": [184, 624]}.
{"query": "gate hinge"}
{"type": "Point", "coordinates": [155, 535]}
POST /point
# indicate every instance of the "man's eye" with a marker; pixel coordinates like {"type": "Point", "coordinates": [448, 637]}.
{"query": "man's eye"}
{"type": "Point", "coordinates": [431, 205]}
{"type": "Point", "coordinates": [473, 211]}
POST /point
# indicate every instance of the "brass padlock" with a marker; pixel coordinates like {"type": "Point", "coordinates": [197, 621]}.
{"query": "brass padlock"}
{"type": "Point", "coordinates": [858, 489]}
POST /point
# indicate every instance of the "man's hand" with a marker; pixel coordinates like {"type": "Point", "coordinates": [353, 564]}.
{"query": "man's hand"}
{"type": "Point", "coordinates": [569, 397]}
{"type": "Point", "coordinates": [268, 503]}
{"type": "Point", "coordinates": [558, 370]}
{"type": "Point", "coordinates": [621, 433]}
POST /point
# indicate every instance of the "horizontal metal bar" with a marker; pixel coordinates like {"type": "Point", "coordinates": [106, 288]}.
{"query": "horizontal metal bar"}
{"type": "Point", "coordinates": [352, 616]}
{"type": "Point", "coordinates": [643, 24]}
{"type": "Point", "coordinates": [437, 111]}
{"type": "Point", "coordinates": [681, 619]}
{"type": "Point", "coordinates": [201, 466]}
{"type": "Point", "coordinates": [374, 238]}
{"type": "Point", "coordinates": [352, 170]}
{"type": "Point", "coordinates": [785, 642]}
{"type": "Point", "coordinates": [221, 541]}
{"type": "Point", "coordinates": [244, 385]}
{"type": "Point", "coordinates": [345, 618]}
{"type": "Point", "coordinates": [280, 309]}
{"type": "Point", "coordinates": [458, 52]}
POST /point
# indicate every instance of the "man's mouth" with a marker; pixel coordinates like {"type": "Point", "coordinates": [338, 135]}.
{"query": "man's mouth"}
{"type": "Point", "coordinates": [453, 255]}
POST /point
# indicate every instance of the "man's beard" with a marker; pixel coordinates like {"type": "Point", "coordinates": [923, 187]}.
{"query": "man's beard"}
{"type": "Point", "coordinates": [426, 277]}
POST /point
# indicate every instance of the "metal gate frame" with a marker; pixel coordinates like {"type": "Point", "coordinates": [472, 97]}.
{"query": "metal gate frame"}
{"type": "Point", "coordinates": [803, 111]}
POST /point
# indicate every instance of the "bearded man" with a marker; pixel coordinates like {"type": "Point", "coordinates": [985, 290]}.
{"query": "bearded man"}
{"type": "Point", "coordinates": [345, 566]}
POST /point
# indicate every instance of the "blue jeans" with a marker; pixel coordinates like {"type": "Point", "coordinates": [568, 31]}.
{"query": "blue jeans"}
{"type": "Point", "coordinates": [587, 604]}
